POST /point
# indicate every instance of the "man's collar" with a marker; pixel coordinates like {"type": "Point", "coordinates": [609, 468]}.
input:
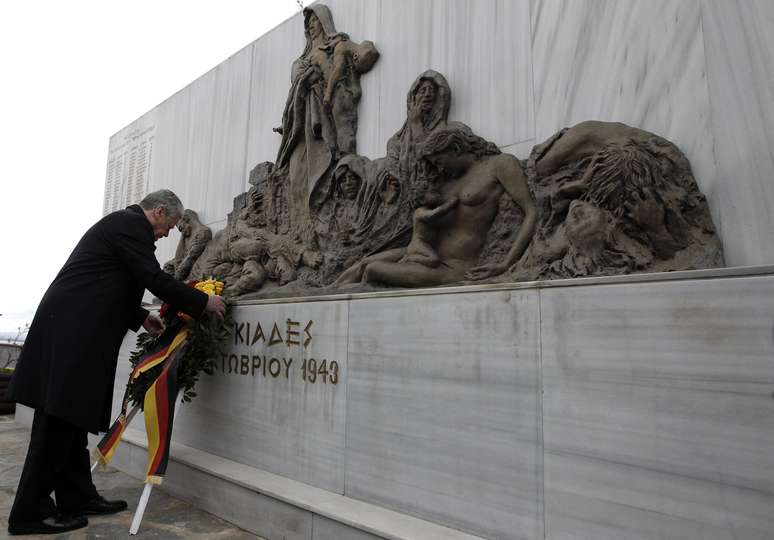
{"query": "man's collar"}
{"type": "Point", "coordinates": [137, 209]}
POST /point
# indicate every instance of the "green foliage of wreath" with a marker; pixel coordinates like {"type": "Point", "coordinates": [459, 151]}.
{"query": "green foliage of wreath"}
{"type": "Point", "coordinates": [208, 337]}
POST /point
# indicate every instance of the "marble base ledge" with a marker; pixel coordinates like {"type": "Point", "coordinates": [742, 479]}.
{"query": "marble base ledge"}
{"type": "Point", "coordinates": [682, 275]}
{"type": "Point", "coordinates": [282, 507]}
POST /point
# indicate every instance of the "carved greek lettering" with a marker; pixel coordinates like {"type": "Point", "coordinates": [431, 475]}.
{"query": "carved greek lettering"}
{"type": "Point", "coordinates": [276, 336]}
{"type": "Point", "coordinates": [238, 337]}
{"type": "Point", "coordinates": [274, 363]}
{"type": "Point", "coordinates": [308, 334]}
{"type": "Point", "coordinates": [287, 363]}
{"type": "Point", "coordinates": [258, 334]}
{"type": "Point", "coordinates": [291, 333]}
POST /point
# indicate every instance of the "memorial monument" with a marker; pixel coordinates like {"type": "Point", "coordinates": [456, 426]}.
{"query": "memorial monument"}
{"type": "Point", "coordinates": [499, 269]}
{"type": "Point", "coordinates": [602, 198]}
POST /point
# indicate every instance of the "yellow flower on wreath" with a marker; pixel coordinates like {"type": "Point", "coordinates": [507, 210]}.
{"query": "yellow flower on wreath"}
{"type": "Point", "coordinates": [210, 286]}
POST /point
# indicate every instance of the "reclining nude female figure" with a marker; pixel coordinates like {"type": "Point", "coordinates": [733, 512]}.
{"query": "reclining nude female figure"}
{"type": "Point", "coordinates": [476, 174]}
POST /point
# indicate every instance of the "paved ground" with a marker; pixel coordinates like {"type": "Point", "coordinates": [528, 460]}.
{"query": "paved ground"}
{"type": "Point", "coordinates": [165, 516]}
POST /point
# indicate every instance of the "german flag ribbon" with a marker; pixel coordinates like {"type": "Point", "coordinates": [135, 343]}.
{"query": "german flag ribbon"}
{"type": "Point", "coordinates": [168, 344]}
{"type": "Point", "coordinates": [107, 446]}
{"type": "Point", "coordinates": [159, 406]}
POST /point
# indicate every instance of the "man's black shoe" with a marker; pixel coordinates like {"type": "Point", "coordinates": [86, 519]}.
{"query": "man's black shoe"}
{"type": "Point", "coordinates": [99, 506]}
{"type": "Point", "coordinates": [52, 525]}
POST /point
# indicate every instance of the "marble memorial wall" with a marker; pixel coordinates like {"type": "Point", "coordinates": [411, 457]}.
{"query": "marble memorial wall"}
{"type": "Point", "coordinates": [618, 410]}
{"type": "Point", "coordinates": [605, 408]}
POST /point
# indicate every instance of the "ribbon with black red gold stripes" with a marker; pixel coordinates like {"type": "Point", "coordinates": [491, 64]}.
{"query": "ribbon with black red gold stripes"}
{"type": "Point", "coordinates": [168, 343]}
{"type": "Point", "coordinates": [159, 409]}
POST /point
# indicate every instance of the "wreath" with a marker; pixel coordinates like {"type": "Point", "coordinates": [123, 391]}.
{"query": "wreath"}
{"type": "Point", "coordinates": [207, 339]}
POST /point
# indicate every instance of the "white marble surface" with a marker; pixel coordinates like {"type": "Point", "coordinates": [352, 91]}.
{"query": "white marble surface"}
{"type": "Point", "coordinates": [272, 505]}
{"type": "Point", "coordinates": [637, 62]}
{"type": "Point", "coordinates": [601, 500]}
{"type": "Point", "coordinates": [521, 149]}
{"type": "Point", "coordinates": [740, 67]}
{"type": "Point", "coordinates": [328, 529]}
{"type": "Point", "coordinates": [198, 142]}
{"type": "Point", "coordinates": [282, 423]}
{"type": "Point", "coordinates": [264, 515]}
{"type": "Point", "coordinates": [443, 410]}
{"type": "Point", "coordinates": [228, 153]}
{"type": "Point", "coordinates": [273, 55]}
{"type": "Point", "coordinates": [482, 47]}
{"type": "Point", "coordinates": [658, 411]}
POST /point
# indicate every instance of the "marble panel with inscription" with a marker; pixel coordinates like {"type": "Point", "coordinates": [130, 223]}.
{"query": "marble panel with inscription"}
{"type": "Point", "coordinates": [443, 410]}
{"type": "Point", "coordinates": [130, 154]}
{"type": "Point", "coordinates": [658, 412]}
{"type": "Point", "coordinates": [277, 400]}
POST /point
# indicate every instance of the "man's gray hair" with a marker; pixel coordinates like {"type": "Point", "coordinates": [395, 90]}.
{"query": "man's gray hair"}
{"type": "Point", "coordinates": [166, 199]}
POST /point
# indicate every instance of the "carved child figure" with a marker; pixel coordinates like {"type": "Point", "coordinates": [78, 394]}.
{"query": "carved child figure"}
{"type": "Point", "coordinates": [420, 249]}
{"type": "Point", "coordinates": [347, 55]}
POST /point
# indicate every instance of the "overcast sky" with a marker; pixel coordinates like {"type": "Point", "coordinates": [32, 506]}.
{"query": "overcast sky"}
{"type": "Point", "coordinates": [74, 73]}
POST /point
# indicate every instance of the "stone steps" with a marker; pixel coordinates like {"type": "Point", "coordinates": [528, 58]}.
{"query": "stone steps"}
{"type": "Point", "coordinates": [271, 505]}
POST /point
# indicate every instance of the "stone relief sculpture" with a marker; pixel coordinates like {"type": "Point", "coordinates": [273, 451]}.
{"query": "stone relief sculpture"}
{"type": "Point", "coordinates": [338, 216]}
{"type": "Point", "coordinates": [193, 240]}
{"type": "Point", "coordinates": [443, 205]}
{"type": "Point", "coordinates": [616, 199]}
{"type": "Point", "coordinates": [385, 217]}
{"type": "Point", "coordinates": [451, 226]}
{"type": "Point", "coordinates": [320, 119]}
{"type": "Point", "coordinates": [427, 109]}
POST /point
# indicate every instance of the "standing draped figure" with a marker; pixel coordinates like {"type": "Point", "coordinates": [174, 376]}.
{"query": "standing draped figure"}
{"type": "Point", "coordinates": [319, 123]}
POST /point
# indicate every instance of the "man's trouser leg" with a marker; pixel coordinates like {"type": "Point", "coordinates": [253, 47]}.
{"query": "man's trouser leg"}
{"type": "Point", "coordinates": [55, 461]}
{"type": "Point", "coordinates": [72, 482]}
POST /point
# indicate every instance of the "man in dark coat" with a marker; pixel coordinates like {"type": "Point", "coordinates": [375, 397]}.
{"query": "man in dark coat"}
{"type": "Point", "coordinates": [68, 363]}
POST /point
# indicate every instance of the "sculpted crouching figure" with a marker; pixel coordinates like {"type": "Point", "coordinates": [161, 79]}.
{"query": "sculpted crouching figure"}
{"type": "Point", "coordinates": [473, 175]}
{"type": "Point", "coordinates": [193, 240]}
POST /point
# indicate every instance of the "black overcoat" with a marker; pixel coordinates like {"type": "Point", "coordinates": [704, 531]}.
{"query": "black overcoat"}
{"type": "Point", "coordinates": [68, 362]}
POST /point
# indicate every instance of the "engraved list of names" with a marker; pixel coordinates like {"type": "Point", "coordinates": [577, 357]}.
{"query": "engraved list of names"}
{"type": "Point", "coordinates": [128, 168]}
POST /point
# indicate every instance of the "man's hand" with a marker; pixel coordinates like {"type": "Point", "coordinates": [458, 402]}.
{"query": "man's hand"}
{"type": "Point", "coordinates": [153, 324]}
{"type": "Point", "coordinates": [216, 305]}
